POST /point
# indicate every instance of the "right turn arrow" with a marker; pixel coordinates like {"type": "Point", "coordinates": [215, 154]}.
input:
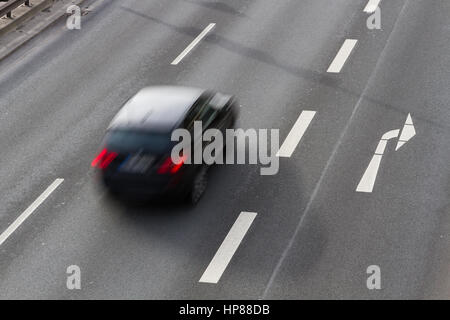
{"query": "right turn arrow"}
{"type": "Point", "coordinates": [407, 133]}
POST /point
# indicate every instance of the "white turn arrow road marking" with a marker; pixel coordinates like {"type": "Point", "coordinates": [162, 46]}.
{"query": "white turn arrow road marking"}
{"type": "Point", "coordinates": [407, 133]}
{"type": "Point", "coordinates": [370, 175]}
{"type": "Point", "coordinates": [367, 181]}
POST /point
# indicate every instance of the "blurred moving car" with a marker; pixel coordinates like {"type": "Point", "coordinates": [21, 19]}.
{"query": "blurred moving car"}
{"type": "Point", "coordinates": [135, 156]}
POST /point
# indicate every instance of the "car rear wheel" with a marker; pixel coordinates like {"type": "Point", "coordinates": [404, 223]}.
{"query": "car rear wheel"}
{"type": "Point", "coordinates": [198, 185]}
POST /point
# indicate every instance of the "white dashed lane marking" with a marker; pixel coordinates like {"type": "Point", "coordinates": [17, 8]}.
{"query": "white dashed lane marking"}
{"type": "Point", "coordinates": [16, 224]}
{"type": "Point", "coordinates": [228, 247]}
{"type": "Point", "coordinates": [342, 56]}
{"type": "Point", "coordinates": [372, 6]}
{"type": "Point", "coordinates": [193, 43]}
{"type": "Point", "coordinates": [296, 134]}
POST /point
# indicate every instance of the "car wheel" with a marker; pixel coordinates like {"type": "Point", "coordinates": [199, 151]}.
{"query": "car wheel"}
{"type": "Point", "coordinates": [198, 185]}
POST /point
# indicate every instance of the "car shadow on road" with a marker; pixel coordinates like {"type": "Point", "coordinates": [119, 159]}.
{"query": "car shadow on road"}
{"type": "Point", "coordinates": [136, 207]}
{"type": "Point", "coordinates": [155, 206]}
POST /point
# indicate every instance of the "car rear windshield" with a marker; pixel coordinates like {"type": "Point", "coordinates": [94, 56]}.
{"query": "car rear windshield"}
{"type": "Point", "coordinates": [128, 141]}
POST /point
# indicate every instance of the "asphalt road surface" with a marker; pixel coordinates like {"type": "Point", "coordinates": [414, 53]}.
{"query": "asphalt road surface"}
{"type": "Point", "coordinates": [314, 235]}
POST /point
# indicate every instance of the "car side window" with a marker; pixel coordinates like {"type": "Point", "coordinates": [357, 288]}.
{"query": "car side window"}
{"type": "Point", "coordinates": [195, 113]}
{"type": "Point", "coordinates": [207, 115]}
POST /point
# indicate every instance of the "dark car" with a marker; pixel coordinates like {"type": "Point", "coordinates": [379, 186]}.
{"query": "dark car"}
{"type": "Point", "coordinates": [135, 157]}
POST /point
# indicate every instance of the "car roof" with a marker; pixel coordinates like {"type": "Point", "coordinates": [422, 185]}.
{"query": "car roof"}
{"type": "Point", "coordinates": [158, 109]}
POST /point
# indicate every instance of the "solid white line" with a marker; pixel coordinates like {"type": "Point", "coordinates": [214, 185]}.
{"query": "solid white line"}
{"type": "Point", "coordinates": [193, 43]}
{"type": "Point", "coordinates": [342, 56]}
{"type": "Point", "coordinates": [228, 247]}
{"type": "Point", "coordinates": [372, 6]}
{"type": "Point", "coordinates": [368, 180]}
{"type": "Point", "coordinates": [29, 210]}
{"type": "Point", "coordinates": [296, 134]}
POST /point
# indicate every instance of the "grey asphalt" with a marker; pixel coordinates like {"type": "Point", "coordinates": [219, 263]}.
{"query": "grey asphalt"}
{"type": "Point", "coordinates": [314, 236]}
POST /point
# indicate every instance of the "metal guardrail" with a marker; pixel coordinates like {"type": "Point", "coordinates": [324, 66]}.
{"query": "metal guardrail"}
{"type": "Point", "coordinates": [7, 8]}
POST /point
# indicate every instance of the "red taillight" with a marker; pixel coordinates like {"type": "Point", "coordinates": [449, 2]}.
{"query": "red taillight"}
{"type": "Point", "coordinates": [169, 166]}
{"type": "Point", "coordinates": [103, 159]}
{"type": "Point", "coordinates": [165, 167]}
{"type": "Point", "coordinates": [99, 158]}
{"type": "Point", "coordinates": [177, 167]}
{"type": "Point", "coordinates": [108, 159]}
